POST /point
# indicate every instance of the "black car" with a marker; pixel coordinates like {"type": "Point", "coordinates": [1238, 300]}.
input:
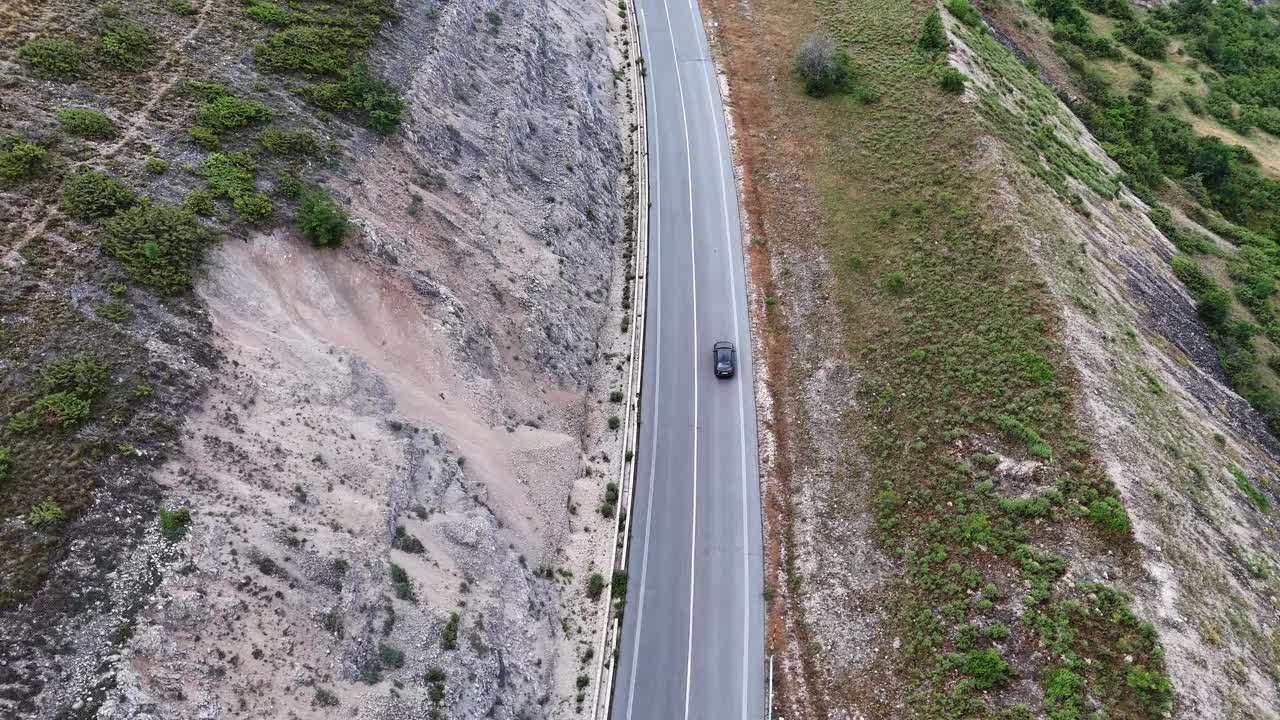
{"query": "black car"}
{"type": "Point", "coordinates": [726, 359]}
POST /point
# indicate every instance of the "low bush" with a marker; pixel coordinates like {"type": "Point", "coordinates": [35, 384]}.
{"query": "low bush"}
{"type": "Point", "coordinates": [88, 124]}
{"type": "Point", "coordinates": [595, 586]}
{"type": "Point", "coordinates": [90, 195]}
{"type": "Point", "coordinates": [964, 12]}
{"type": "Point", "coordinates": [156, 166]}
{"type": "Point", "coordinates": [4, 464]}
{"type": "Point", "coordinates": [289, 142]}
{"type": "Point", "coordinates": [1143, 39]}
{"type": "Point", "coordinates": [987, 669]}
{"type": "Point", "coordinates": [204, 137]}
{"type": "Point", "coordinates": [375, 102]}
{"type": "Point", "coordinates": [59, 410]}
{"type": "Point", "coordinates": [390, 656]}
{"type": "Point", "coordinates": [824, 68]}
{"type": "Point", "coordinates": [226, 112]}
{"type": "Point", "coordinates": [158, 245]}
{"type": "Point", "coordinates": [933, 37]}
{"type": "Point", "coordinates": [401, 585]}
{"type": "Point", "coordinates": [19, 159]}
{"type": "Point", "coordinates": [228, 174]}
{"type": "Point", "coordinates": [52, 58]}
{"type": "Point", "coordinates": [173, 523]}
{"type": "Point", "coordinates": [322, 221]}
{"type": "Point", "coordinates": [199, 202]}
{"type": "Point", "coordinates": [126, 46]}
{"type": "Point", "coordinates": [449, 637]}
{"type": "Point", "coordinates": [252, 207]}
{"type": "Point", "coordinates": [46, 514]}
{"type": "Point", "coordinates": [1109, 514]}
{"type": "Point", "coordinates": [952, 81]}
{"type": "Point", "coordinates": [84, 374]}
{"type": "Point", "coordinates": [1246, 486]}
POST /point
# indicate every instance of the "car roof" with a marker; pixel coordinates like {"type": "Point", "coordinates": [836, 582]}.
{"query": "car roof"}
{"type": "Point", "coordinates": [723, 345]}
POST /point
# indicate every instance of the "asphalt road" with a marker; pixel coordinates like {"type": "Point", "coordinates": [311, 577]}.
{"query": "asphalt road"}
{"type": "Point", "coordinates": [692, 638]}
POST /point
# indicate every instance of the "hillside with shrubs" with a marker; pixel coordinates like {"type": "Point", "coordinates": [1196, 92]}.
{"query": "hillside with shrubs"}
{"type": "Point", "coordinates": [270, 275]}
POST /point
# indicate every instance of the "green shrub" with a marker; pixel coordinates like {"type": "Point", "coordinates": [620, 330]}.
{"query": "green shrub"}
{"type": "Point", "coordinates": [19, 159]}
{"type": "Point", "coordinates": [964, 12]}
{"type": "Point", "coordinates": [322, 222]}
{"type": "Point", "coordinates": [181, 7]}
{"type": "Point", "coordinates": [53, 58]}
{"type": "Point", "coordinates": [449, 638]}
{"type": "Point", "coordinates": [204, 91]}
{"type": "Point", "coordinates": [156, 166]}
{"type": "Point", "coordinates": [173, 523]}
{"type": "Point", "coordinates": [84, 375]}
{"type": "Point", "coordinates": [376, 103]}
{"type": "Point", "coordinates": [228, 174]}
{"type": "Point", "coordinates": [315, 50]}
{"type": "Point", "coordinates": [289, 142]}
{"type": "Point", "coordinates": [1152, 685]}
{"type": "Point", "coordinates": [158, 245]}
{"type": "Point", "coordinates": [615, 422]}
{"type": "Point", "coordinates": [1037, 368]}
{"type": "Point", "coordinates": [1143, 39]}
{"type": "Point", "coordinates": [401, 585]}
{"type": "Point", "coordinates": [252, 207]}
{"type": "Point", "coordinates": [1246, 486]}
{"type": "Point", "coordinates": [199, 202]}
{"type": "Point", "coordinates": [895, 283]}
{"type": "Point", "coordinates": [987, 669]}
{"type": "Point", "coordinates": [1214, 307]}
{"type": "Point", "coordinates": [91, 195]}
{"type": "Point", "coordinates": [952, 81]}
{"type": "Point", "coordinates": [62, 410]}
{"type": "Point", "coordinates": [89, 124]}
{"type": "Point", "coordinates": [204, 137]}
{"type": "Point", "coordinates": [824, 68]}
{"type": "Point", "coordinates": [126, 46]}
{"type": "Point", "coordinates": [46, 514]}
{"type": "Point", "coordinates": [1110, 515]}
{"type": "Point", "coordinates": [390, 656]}
{"type": "Point", "coordinates": [4, 464]}
{"type": "Point", "coordinates": [325, 698]}
{"type": "Point", "coordinates": [226, 112]}
{"type": "Point", "coordinates": [269, 13]}
{"type": "Point", "coordinates": [933, 37]}
{"type": "Point", "coordinates": [595, 586]}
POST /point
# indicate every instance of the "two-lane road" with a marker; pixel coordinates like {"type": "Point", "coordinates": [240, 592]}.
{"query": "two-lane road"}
{"type": "Point", "coordinates": [692, 639]}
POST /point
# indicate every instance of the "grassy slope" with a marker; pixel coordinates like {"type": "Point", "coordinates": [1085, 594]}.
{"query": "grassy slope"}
{"type": "Point", "coordinates": [954, 338]}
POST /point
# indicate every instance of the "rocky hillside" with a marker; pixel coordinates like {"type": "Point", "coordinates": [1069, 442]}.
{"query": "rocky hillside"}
{"type": "Point", "coordinates": [1033, 474]}
{"type": "Point", "coordinates": [311, 317]}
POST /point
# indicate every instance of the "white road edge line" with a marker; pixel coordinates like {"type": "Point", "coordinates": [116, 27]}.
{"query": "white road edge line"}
{"type": "Point", "coordinates": [657, 398]}
{"type": "Point", "coordinates": [742, 413]}
{"type": "Point", "coordinates": [693, 275]}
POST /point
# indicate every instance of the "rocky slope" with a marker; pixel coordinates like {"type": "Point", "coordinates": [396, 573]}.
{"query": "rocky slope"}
{"type": "Point", "coordinates": [390, 454]}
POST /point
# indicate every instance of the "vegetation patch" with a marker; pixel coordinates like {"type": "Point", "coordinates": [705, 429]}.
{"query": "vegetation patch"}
{"type": "Point", "coordinates": [52, 58]}
{"type": "Point", "coordinates": [19, 159]}
{"type": "Point", "coordinates": [90, 195]}
{"type": "Point", "coordinates": [127, 46]}
{"type": "Point", "coordinates": [321, 220]}
{"type": "Point", "coordinates": [88, 124]}
{"type": "Point", "coordinates": [963, 352]}
{"type": "Point", "coordinates": [158, 245]}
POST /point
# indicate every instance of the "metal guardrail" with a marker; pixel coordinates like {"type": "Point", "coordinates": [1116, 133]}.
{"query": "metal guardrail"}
{"type": "Point", "coordinates": [611, 626]}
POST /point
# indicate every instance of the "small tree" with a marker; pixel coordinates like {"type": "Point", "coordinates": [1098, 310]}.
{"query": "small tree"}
{"type": "Point", "coordinates": [932, 37]}
{"type": "Point", "coordinates": [323, 222]}
{"type": "Point", "coordinates": [822, 67]}
{"type": "Point", "coordinates": [952, 81]}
